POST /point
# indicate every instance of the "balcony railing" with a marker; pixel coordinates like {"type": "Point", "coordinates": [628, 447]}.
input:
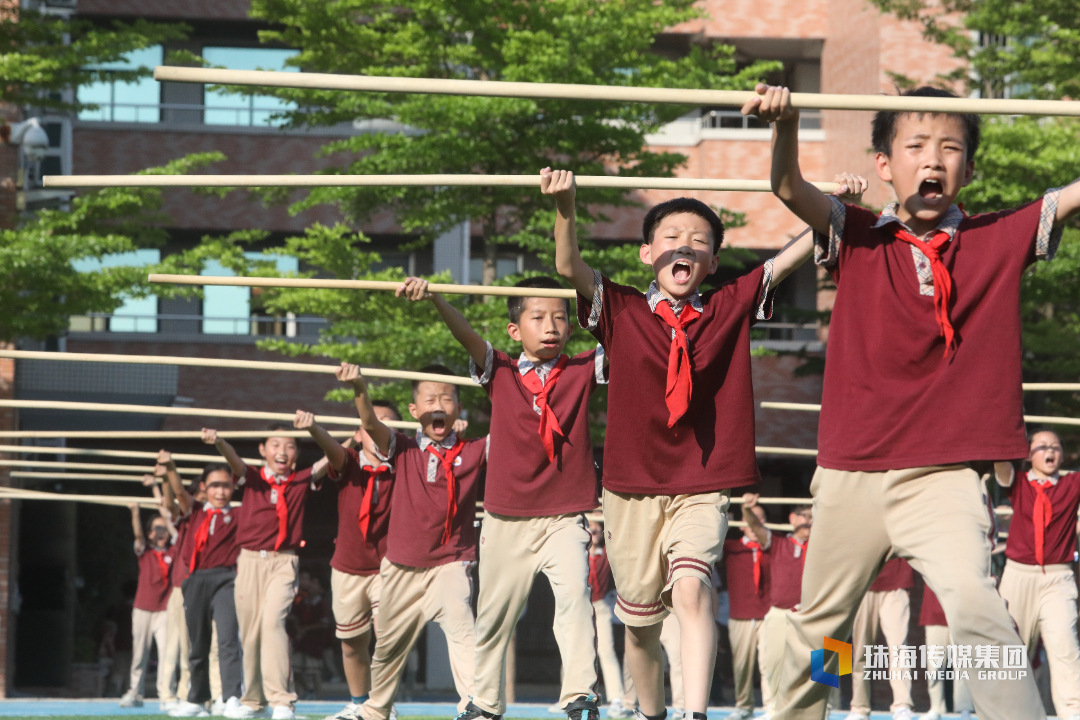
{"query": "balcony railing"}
{"type": "Point", "coordinates": [258, 325]}
{"type": "Point", "coordinates": [735, 120]}
{"type": "Point", "coordinates": [184, 113]}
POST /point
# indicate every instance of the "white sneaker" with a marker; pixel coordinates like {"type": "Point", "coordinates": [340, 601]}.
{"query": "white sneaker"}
{"type": "Point", "coordinates": [966, 715]}
{"type": "Point", "coordinates": [740, 714]}
{"type": "Point", "coordinates": [240, 711]}
{"type": "Point", "coordinates": [617, 711]}
{"type": "Point", "coordinates": [1074, 717]}
{"type": "Point", "coordinates": [857, 716]}
{"type": "Point", "coordinates": [284, 712]}
{"type": "Point", "coordinates": [219, 706]}
{"type": "Point", "coordinates": [932, 715]}
{"type": "Point", "coordinates": [393, 712]}
{"type": "Point", "coordinates": [902, 713]}
{"type": "Point", "coordinates": [349, 712]}
{"type": "Point", "coordinates": [555, 709]}
{"type": "Point", "coordinates": [188, 709]}
{"type": "Point", "coordinates": [131, 699]}
{"type": "Point", "coordinates": [166, 705]}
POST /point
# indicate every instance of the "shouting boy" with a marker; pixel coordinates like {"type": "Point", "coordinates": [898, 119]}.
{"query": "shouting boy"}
{"type": "Point", "coordinates": [541, 479]}
{"type": "Point", "coordinates": [922, 375]}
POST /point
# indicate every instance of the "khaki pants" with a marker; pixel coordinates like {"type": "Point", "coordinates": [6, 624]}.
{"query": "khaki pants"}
{"type": "Point", "coordinates": [891, 611]}
{"type": "Point", "coordinates": [265, 591]}
{"type": "Point", "coordinates": [937, 519]}
{"type": "Point", "coordinates": [1044, 605]}
{"type": "Point", "coordinates": [146, 628]}
{"type": "Point", "coordinates": [605, 650]}
{"type": "Point", "coordinates": [412, 597]}
{"type": "Point", "coordinates": [512, 551]}
{"type": "Point", "coordinates": [670, 641]}
{"type": "Point", "coordinates": [177, 647]}
{"type": "Point", "coordinates": [939, 635]}
{"type": "Point", "coordinates": [748, 650]}
{"type": "Point", "coordinates": [774, 630]}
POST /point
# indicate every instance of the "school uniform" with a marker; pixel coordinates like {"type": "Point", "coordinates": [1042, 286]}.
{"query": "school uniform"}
{"type": "Point", "coordinates": [932, 618]}
{"type": "Point", "coordinates": [148, 616]}
{"type": "Point", "coordinates": [922, 375]}
{"type": "Point", "coordinates": [430, 545]}
{"type": "Point", "coordinates": [887, 605]}
{"type": "Point", "coordinates": [786, 557]}
{"type": "Point", "coordinates": [272, 519]}
{"type": "Point", "coordinates": [601, 583]}
{"type": "Point", "coordinates": [173, 659]}
{"type": "Point", "coordinates": [210, 551]}
{"type": "Point", "coordinates": [680, 430]}
{"type": "Point", "coordinates": [365, 492]}
{"type": "Point", "coordinates": [1038, 582]}
{"type": "Point", "coordinates": [748, 581]}
{"type": "Point", "coordinates": [541, 478]}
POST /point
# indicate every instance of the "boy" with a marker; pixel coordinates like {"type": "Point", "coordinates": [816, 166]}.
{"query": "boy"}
{"type": "Point", "coordinates": [932, 618]}
{"type": "Point", "coordinates": [209, 552]}
{"type": "Point", "coordinates": [431, 540]}
{"type": "Point", "coordinates": [887, 605]}
{"type": "Point", "coordinates": [601, 583]}
{"type": "Point", "coordinates": [680, 424]}
{"type": "Point", "coordinates": [541, 479]}
{"type": "Point", "coordinates": [748, 594]}
{"type": "Point", "coordinates": [922, 375]}
{"type": "Point", "coordinates": [365, 489]}
{"type": "Point", "coordinates": [148, 615]}
{"type": "Point", "coordinates": [271, 522]}
{"type": "Point", "coordinates": [1038, 582]}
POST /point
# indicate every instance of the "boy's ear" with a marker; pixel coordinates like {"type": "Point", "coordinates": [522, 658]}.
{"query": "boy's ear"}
{"type": "Point", "coordinates": [262, 449]}
{"type": "Point", "coordinates": [513, 331]}
{"type": "Point", "coordinates": [881, 164]}
{"type": "Point", "coordinates": [645, 253]}
{"type": "Point", "coordinates": [412, 410]}
{"type": "Point", "coordinates": [714, 263]}
{"type": "Point", "coordinates": [969, 173]}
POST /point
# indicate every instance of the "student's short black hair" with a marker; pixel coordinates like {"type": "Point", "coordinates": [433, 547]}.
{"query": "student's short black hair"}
{"type": "Point", "coordinates": [683, 205]}
{"type": "Point", "coordinates": [389, 405]}
{"type": "Point", "coordinates": [516, 305]}
{"type": "Point", "coordinates": [277, 427]}
{"type": "Point", "coordinates": [213, 468]}
{"type": "Point", "coordinates": [437, 370]}
{"type": "Point", "coordinates": [883, 128]}
{"type": "Point", "coordinates": [1036, 431]}
{"type": "Point", "coordinates": [801, 509]}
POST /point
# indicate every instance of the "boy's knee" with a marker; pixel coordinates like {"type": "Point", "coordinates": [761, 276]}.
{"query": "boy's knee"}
{"type": "Point", "coordinates": [644, 636]}
{"type": "Point", "coordinates": [690, 595]}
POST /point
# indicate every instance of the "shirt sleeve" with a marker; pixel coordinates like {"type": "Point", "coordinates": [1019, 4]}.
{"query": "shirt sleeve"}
{"type": "Point", "coordinates": [483, 378]}
{"type": "Point", "coordinates": [827, 246]}
{"type": "Point", "coordinates": [351, 462]}
{"type": "Point", "coordinates": [252, 476]}
{"type": "Point", "coordinates": [765, 303]}
{"type": "Point", "coordinates": [599, 366]}
{"type": "Point", "coordinates": [395, 445]}
{"type": "Point", "coordinates": [597, 314]}
{"type": "Point", "coordinates": [1048, 235]}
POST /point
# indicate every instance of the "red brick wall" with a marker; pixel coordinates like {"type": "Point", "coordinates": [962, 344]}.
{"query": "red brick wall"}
{"type": "Point", "coordinates": [760, 18]}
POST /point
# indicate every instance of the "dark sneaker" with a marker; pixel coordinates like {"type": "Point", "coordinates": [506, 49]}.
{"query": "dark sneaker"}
{"type": "Point", "coordinates": [472, 712]}
{"type": "Point", "coordinates": [584, 708]}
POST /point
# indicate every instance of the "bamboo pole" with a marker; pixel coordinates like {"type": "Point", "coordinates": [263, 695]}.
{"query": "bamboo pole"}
{"type": "Point", "coordinates": [387, 285]}
{"type": "Point", "coordinates": [140, 454]}
{"type": "Point", "coordinates": [91, 466]}
{"type": "Point", "coordinates": [74, 476]}
{"type": "Point", "coordinates": [231, 364]}
{"type": "Point", "coordinates": [811, 407]}
{"type": "Point", "coordinates": [247, 181]}
{"type": "Point", "coordinates": [21, 494]}
{"type": "Point", "coordinates": [161, 434]}
{"type": "Point", "coordinates": [808, 452]}
{"type": "Point", "coordinates": [565, 91]}
{"type": "Point", "coordinates": [776, 501]}
{"type": "Point", "coordinates": [190, 412]}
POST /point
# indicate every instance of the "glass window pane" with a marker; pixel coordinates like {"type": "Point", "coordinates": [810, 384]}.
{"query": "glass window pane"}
{"type": "Point", "coordinates": [146, 308]}
{"type": "Point", "coordinates": [226, 109]}
{"type": "Point", "coordinates": [134, 102]}
{"type": "Point", "coordinates": [99, 93]}
{"type": "Point", "coordinates": [233, 303]}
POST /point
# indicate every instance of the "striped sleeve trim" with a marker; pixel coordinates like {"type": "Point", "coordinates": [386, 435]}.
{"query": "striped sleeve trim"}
{"type": "Point", "coordinates": [765, 307]}
{"type": "Point", "coordinates": [597, 301]}
{"type": "Point", "coordinates": [489, 360]}
{"type": "Point", "coordinates": [1048, 236]}
{"type": "Point", "coordinates": [598, 366]}
{"type": "Point", "coordinates": [827, 248]}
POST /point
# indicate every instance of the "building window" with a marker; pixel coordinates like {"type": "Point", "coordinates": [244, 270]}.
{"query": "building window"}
{"type": "Point", "coordinates": [230, 109]}
{"type": "Point", "coordinates": [139, 101]}
{"type": "Point", "coordinates": [227, 309]}
{"type": "Point", "coordinates": [136, 314]}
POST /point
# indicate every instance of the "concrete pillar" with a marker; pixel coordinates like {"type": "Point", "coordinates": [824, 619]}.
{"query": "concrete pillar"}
{"type": "Point", "coordinates": [451, 253]}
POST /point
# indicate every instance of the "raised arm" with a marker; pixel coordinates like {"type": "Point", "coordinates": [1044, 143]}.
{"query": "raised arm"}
{"type": "Point", "coordinates": [568, 262]}
{"type": "Point", "coordinates": [176, 485]}
{"type": "Point", "coordinates": [751, 519]}
{"type": "Point", "coordinates": [416, 289]}
{"type": "Point", "coordinates": [773, 105]}
{"type": "Point", "coordinates": [136, 526]}
{"type": "Point", "coordinates": [1069, 201]}
{"type": "Point", "coordinates": [236, 463]}
{"type": "Point", "coordinates": [335, 453]}
{"type": "Point", "coordinates": [379, 432]}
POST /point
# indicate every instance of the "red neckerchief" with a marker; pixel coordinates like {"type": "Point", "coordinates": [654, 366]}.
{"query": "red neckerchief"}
{"type": "Point", "coordinates": [942, 280]}
{"type": "Point", "coordinates": [679, 384]}
{"type": "Point", "coordinates": [202, 537]}
{"type": "Point", "coordinates": [280, 507]}
{"type": "Point", "coordinates": [369, 493]}
{"type": "Point", "coordinates": [549, 424]}
{"type": "Point", "coordinates": [1041, 514]}
{"type": "Point", "coordinates": [162, 565]}
{"type": "Point", "coordinates": [447, 461]}
{"type": "Point", "coordinates": [800, 547]}
{"type": "Point", "coordinates": [757, 556]}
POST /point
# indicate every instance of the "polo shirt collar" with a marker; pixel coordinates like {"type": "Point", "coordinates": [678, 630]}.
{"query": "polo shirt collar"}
{"type": "Point", "coordinates": [655, 295]}
{"type": "Point", "coordinates": [271, 477]}
{"type": "Point", "coordinates": [525, 365]}
{"type": "Point", "coordinates": [207, 507]}
{"type": "Point", "coordinates": [1035, 478]}
{"type": "Point", "coordinates": [423, 440]}
{"type": "Point", "coordinates": [949, 222]}
{"type": "Point", "coordinates": [365, 463]}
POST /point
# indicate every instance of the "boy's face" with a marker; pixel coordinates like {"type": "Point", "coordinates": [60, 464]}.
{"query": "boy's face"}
{"type": "Point", "coordinates": [543, 329]}
{"type": "Point", "coordinates": [384, 414]}
{"type": "Point", "coordinates": [1046, 453]}
{"type": "Point", "coordinates": [279, 454]}
{"type": "Point", "coordinates": [596, 530]}
{"type": "Point", "coordinates": [928, 167]}
{"type": "Point", "coordinates": [159, 532]}
{"type": "Point", "coordinates": [436, 406]}
{"type": "Point", "coordinates": [760, 512]}
{"type": "Point", "coordinates": [802, 521]}
{"type": "Point", "coordinates": [219, 488]}
{"type": "Point", "coordinates": [681, 254]}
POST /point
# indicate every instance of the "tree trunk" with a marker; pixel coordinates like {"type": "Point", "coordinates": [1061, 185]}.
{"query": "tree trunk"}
{"type": "Point", "coordinates": [491, 253]}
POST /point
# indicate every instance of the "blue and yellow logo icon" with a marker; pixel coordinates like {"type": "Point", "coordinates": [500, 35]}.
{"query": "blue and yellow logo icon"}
{"type": "Point", "coordinates": [817, 663]}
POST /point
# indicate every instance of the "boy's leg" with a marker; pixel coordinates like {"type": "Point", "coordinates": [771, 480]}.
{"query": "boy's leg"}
{"type": "Point", "coordinates": [168, 661]}
{"type": "Point", "coordinates": [1057, 620]}
{"type": "Point", "coordinates": [629, 699]}
{"type": "Point", "coordinates": [645, 658]}
{"type": "Point", "coordinates": [564, 554]}
{"type": "Point", "coordinates": [141, 638]}
{"type": "Point", "coordinates": [508, 563]}
{"type": "Point", "coordinates": [183, 682]}
{"type": "Point", "coordinates": [759, 642]}
{"type": "Point", "coordinates": [671, 642]}
{"type": "Point", "coordinates": [938, 519]}
{"type": "Point", "coordinates": [935, 687]}
{"type": "Point", "coordinates": [449, 603]}
{"type": "Point", "coordinates": [743, 634]}
{"type": "Point", "coordinates": [197, 617]}
{"type": "Point", "coordinates": [159, 624]}
{"type": "Point", "coordinates": [279, 592]}
{"type": "Point", "coordinates": [847, 548]}
{"type": "Point", "coordinates": [773, 643]}
{"type": "Point", "coordinates": [352, 605]}
{"type": "Point", "coordinates": [251, 574]}
{"type": "Point", "coordinates": [894, 614]}
{"type": "Point", "coordinates": [228, 634]}
{"type": "Point", "coordinates": [863, 634]}
{"type": "Point", "coordinates": [605, 648]}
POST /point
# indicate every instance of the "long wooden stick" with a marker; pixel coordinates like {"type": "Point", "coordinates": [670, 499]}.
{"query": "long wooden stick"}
{"type": "Point", "coordinates": [91, 466]}
{"type": "Point", "coordinates": [776, 501]}
{"type": "Point", "coordinates": [74, 476]}
{"type": "Point", "coordinates": [810, 407]}
{"type": "Point", "coordinates": [141, 454]}
{"type": "Point", "coordinates": [565, 91]}
{"type": "Point", "coordinates": [238, 181]}
{"type": "Point", "coordinates": [232, 364]}
{"type": "Point", "coordinates": [190, 412]}
{"type": "Point", "coordinates": [359, 285]}
{"type": "Point", "coordinates": [162, 434]}
{"type": "Point", "coordinates": [21, 494]}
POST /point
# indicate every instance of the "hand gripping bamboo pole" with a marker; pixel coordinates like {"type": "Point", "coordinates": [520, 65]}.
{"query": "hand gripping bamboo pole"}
{"type": "Point", "coordinates": [18, 474]}
{"type": "Point", "coordinates": [230, 364]}
{"type": "Point", "coordinates": [387, 285]}
{"type": "Point", "coordinates": [162, 434]}
{"type": "Point", "coordinates": [190, 412]}
{"type": "Point", "coordinates": [91, 466]}
{"type": "Point", "coordinates": [610, 93]}
{"type": "Point", "coordinates": [810, 407]}
{"type": "Point", "coordinates": [329, 180]}
{"type": "Point", "coordinates": [140, 454]}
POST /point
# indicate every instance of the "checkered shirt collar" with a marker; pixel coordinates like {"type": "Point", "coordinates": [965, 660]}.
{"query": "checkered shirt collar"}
{"type": "Point", "coordinates": [525, 365]}
{"type": "Point", "coordinates": [655, 295]}
{"type": "Point", "coordinates": [423, 440]}
{"type": "Point", "coordinates": [949, 222]}
{"type": "Point", "coordinates": [1035, 478]}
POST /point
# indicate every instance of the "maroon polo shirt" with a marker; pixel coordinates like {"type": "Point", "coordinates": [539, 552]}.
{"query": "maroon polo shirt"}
{"type": "Point", "coordinates": [600, 578]}
{"type": "Point", "coordinates": [711, 447]}
{"type": "Point", "coordinates": [890, 399]}
{"type": "Point", "coordinates": [179, 570]}
{"type": "Point", "coordinates": [1059, 539]}
{"type": "Point", "coordinates": [785, 572]}
{"type": "Point", "coordinates": [152, 592]}
{"type": "Point", "coordinates": [931, 612]}
{"type": "Point", "coordinates": [259, 520]}
{"type": "Point", "coordinates": [416, 524]}
{"type": "Point", "coordinates": [745, 602]}
{"type": "Point", "coordinates": [894, 575]}
{"type": "Point", "coordinates": [353, 553]}
{"type": "Point", "coordinates": [521, 481]}
{"type": "Point", "coordinates": [222, 547]}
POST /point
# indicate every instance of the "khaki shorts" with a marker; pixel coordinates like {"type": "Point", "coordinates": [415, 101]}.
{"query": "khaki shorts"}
{"type": "Point", "coordinates": [355, 601]}
{"type": "Point", "coordinates": [654, 540]}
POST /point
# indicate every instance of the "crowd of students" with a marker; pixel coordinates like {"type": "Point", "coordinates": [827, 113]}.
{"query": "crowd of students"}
{"type": "Point", "coordinates": [922, 378]}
